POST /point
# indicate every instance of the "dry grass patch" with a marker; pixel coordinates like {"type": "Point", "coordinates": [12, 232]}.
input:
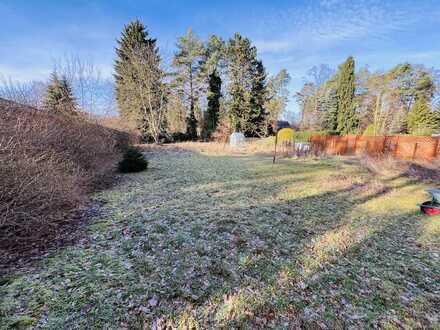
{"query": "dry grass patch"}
{"type": "Point", "coordinates": [252, 146]}
{"type": "Point", "coordinates": [425, 171]}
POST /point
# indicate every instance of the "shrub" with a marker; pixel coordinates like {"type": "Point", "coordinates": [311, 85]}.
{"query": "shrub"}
{"type": "Point", "coordinates": [133, 161]}
{"type": "Point", "coordinates": [179, 137]}
{"type": "Point", "coordinates": [49, 162]}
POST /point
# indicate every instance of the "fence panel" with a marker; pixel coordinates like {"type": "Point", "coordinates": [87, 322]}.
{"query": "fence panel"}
{"type": "Point", "coordinates": [404, 147]}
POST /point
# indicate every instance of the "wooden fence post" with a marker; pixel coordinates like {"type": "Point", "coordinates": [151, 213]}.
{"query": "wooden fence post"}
{"type": "Point", "coordinates": [415, 150]}
{"type": "Point", "coordinates": [346, 145]}
{"type": "Point", "coordinates": [436, 148]}
{"type": "Point", "coordinates": [275, 151]}
{"type": "Point", "coordinates": [355, 144]}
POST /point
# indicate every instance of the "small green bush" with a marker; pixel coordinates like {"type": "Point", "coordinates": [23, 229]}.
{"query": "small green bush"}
{"type": "Point", "coordinates": [133, 161]}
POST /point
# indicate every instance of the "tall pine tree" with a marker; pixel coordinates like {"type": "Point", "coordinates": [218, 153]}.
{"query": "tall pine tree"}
{"type": "Point", "coordinates": [257, 115]}
{"type": "Point", "coordinates": [188, 63]}
{"type": "Point", "coordinates": [247, 86]}
{"type": "Point", "coordinates": [240, 55]}
{"type": "Point", "coordinates": [330, 115]}
{"type": "Point", "coordinates": [134, 38]}
{"type": "Point", "coordinates": [138, 79]}
{"type": "Point", "coordinates": [213, 109]}
{"type": "Point", "coordinates": [212, 67]}
{"type": "Point", "coordinates": [347, 118]}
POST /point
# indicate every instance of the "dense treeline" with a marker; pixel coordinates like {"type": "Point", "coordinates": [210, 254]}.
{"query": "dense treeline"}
{"type": "Point", "coordinates": [210, 86]}
{"type": "Point", "coordinates": [399, 101]}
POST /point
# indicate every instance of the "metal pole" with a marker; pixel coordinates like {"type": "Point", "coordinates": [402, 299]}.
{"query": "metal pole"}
{"type": "Point", "coordinates": [275, 152]}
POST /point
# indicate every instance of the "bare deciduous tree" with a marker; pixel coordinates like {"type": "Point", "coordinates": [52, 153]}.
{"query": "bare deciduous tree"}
{"type": "Point", "coordinates": [93, 92]}
{"type": "Point", "coordinates": [27, 93]}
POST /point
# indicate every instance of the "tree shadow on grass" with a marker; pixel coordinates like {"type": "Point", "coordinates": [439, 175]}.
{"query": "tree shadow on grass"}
{"type": "Point", "coordinates": [307, 219]}
{"type": "Point", "coordinates": [183, 239]}
{"type": "Point", "coordinates": [301, 220]}
{"type": "Point", "coordinates": [336, 274]}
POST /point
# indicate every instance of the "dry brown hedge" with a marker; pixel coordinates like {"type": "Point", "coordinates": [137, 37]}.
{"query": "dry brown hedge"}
{"type": "Point", "coordinates": [48, 164]}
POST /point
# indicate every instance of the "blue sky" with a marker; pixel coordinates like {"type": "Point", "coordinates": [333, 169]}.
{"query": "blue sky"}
{"type": "Point", "coordinates": [294, 35]}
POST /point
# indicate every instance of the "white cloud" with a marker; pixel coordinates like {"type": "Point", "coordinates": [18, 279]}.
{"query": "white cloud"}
{"type": "Point", "coordinates": [335, 22]}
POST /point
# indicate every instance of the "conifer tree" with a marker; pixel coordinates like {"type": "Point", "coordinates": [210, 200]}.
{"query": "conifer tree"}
{"type": "Point", "coordinates": [213, 95]}
{"type": "Point", "coordinates": [212, 67]}
{"type": "Point", "coordinates": [330, 116]}
{"type": "Point", "coordinates": [134, 36]}
{"type": "Point", "coordinates": [53, 93]}
{"type": "Point", "coordinates": [257, 115]}
{"type": "Point", "coordinates": [421, 119]}
{"type": "Point", "coordinates": [59, 96]}
{"type": "Point", "coordinates": [347, 118]}
{"type": "Point", "coordinates": [247, 86]}
{"type": "Point", "coordinates": [188, 61]}
{"type": "Point", "coordinates": [240, 54]}
{"type": "Point", "coordinates": [140, 90]}
{"type": "Point", "coordinates": [437, 117]}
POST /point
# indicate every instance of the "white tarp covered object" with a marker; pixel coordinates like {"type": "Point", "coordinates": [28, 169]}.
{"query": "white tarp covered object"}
{"type": "Point", "coordinates": [302, 147]}
{"type": "Point", "coordinates": [237, 139]}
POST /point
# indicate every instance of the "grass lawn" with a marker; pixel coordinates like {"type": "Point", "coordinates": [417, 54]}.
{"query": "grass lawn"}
{"type": "Point", "coordinates": [220, 241]}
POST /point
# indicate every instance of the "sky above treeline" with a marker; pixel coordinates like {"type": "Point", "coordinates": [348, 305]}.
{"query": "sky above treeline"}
{"type": "Point", "coordinates": [294, 35]}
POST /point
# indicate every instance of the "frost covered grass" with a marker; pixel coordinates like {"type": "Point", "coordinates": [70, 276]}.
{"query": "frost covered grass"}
{"type": "Point", "coordinates": [203, 240]}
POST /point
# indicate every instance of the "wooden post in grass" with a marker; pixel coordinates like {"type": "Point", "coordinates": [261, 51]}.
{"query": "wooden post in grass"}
{"type": "Point", "coordinates": [437, 143]}
{"type": "Point", "coordinates": [275, 151]}
{"type": "Point", "coordinates": [415, 150]}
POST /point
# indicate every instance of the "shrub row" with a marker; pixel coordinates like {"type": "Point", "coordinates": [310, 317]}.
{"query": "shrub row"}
{"type": "Point", "coordinates": [48, 165]}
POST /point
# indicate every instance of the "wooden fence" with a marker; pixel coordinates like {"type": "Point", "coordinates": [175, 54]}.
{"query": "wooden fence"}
{"type": "Point", "coordinates": [404, 147]}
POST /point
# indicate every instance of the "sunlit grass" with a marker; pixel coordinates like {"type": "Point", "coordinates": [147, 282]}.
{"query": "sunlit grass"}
{"type": "Point", "coordinates": [202, 241]}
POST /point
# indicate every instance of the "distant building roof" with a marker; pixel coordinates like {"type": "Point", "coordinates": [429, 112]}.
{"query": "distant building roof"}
{"type": "Point", "coordinates": [282, 124]}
